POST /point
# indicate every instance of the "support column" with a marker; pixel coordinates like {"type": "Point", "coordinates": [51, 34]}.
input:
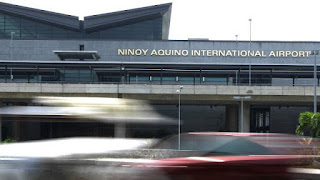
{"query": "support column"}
{"type": "Point", "coordinates": [232, 118]}
{"type": "Point", "coordinates": [230, 81]}
{"type": "Point", "coordinates": [16, 130]}
{"type": "Point", "coordinates": [0, 123]}
{"type": "Point", "coordinates": [91, 75]}
{"type": "Point", "coordinates": [161, 77]}
{"type": "Point", "coordinates": [5, 74]}
{"type": "Point", "coordinates": [120, 130]}
{"type": "Point", "coordinates": [271, 77]}
{"type": "Point", "coordinates": [246, 117]}
{"type": "Point", "coordinates": [38, 79]}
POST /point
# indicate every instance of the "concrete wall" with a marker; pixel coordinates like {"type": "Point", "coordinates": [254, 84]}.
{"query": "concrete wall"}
{"type": "Point", "coordinates": [203, 118]}
{"type": "Point", "coordinates": [232, 112]}
{"type": "Point", "coordinates": [196, 117]}
{"type": "Point", "coordinates": [41, 50]}
{"type": "Point", "coordinates": [285, 119]}
{"type": "Point", "coordinates": [161, 92]}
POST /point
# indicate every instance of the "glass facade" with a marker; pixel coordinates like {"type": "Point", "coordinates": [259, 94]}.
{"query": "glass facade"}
{"type": "Point", "coordinates": [145, 30]}
{"type": "Point", "coordinates": [76, 75]}
{"type": "Point", "coordinates": [21, 28]}
{"type": "Point", "coordinates": [114, 75]}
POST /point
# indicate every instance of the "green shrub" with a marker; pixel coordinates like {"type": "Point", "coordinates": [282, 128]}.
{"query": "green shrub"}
{"type": "Point", "coordinates": [8, 140]}
{"type": "Point", "coordinates": [310, 123]}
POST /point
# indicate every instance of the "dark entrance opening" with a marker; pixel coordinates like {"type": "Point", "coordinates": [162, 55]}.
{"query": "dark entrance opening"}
{"type": "Point", "coordinates": [260, 119]}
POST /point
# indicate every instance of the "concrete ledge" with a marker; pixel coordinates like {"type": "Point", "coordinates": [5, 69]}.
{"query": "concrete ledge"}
{"type": "Point", "coordinates": [99, 88]}
{"type": "Point", "coordinates": [205, 89]}
{"type": "Point", "coordinates": [271, 90]}
{"type": "Point", "coordinates": [155, 89]}
{"type": "Point", "coordinates": [287, 90]}
{"type": "Point", "coordinates": [226, 90]}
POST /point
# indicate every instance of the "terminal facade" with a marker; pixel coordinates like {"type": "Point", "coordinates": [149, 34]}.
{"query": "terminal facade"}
{"type": "Point", "coordinates": [127, 54]}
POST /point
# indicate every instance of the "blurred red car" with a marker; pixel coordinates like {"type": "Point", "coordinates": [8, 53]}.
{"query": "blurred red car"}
{"type": "Point", "coordinates": [221, 156]}
{"type": "Point", "coordinates": [225, 156]}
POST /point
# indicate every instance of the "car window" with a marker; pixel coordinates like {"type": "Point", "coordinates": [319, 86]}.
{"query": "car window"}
{"type": "Point", "coordinates": [214, 145]}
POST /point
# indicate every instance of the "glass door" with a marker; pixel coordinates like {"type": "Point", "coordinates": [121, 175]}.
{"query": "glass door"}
{"type": "Point", "coordinates": [260, 120]}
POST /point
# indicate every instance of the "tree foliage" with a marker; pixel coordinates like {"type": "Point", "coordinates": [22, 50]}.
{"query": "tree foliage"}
{"type": "Point", "coordinates": [309, 122]}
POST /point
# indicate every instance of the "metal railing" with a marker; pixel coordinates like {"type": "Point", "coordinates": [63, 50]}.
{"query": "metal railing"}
{"type": "Point", "coordinates": [243, 82]}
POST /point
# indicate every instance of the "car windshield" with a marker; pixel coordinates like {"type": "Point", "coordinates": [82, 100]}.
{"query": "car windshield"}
{"type": "Point", "coordinates": [228, 145]}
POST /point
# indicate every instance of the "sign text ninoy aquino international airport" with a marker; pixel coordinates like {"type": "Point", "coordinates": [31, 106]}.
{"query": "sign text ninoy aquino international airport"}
{"type": "Point", "coordinates": [210, 53]}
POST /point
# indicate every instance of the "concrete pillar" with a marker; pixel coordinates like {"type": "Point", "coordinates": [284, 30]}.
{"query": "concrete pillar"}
{"type": "Point", "coordinates": [0, 123]}
{"type": "Point", "coordinates": [230, 81]}
{"type": "Point", "coordinates": [232, 117]}
{"type": "Point", "coordinates": [119, 130]}
{"type": "Point", "coordinates": [246, 117]}
{"type": "Point", "coordinates": [16, 130]}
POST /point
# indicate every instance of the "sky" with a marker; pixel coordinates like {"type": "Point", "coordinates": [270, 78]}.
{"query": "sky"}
{"type": "Point", "coordinates": [272, 20]}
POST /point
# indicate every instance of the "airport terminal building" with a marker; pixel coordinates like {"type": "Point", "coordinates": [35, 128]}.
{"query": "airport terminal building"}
{"type": "Point", "coordinates": [127, 54]}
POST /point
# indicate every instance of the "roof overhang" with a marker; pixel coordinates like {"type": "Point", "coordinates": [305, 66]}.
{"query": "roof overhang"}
{"type": "Point", "coordinates": [62, 20]}
{"type": "Point", "coordinates": [77, 55]}
{"type": "Point", "coordinates": [108, 20]}
{"type": "Point", "coordinates": [23, 63]}
{"type": "Point", "coordinates": [95, 22]}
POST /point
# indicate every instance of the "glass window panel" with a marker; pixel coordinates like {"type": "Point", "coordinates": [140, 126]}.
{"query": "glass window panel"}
{"type": "Point", "coordinates": [143, 78]}
{"type": "Point", "coordinates": [260, 119]}
{"type": "Point", "coordinates": [215, 79]}
{"type": "Point", "coordinates": [85, 73]}
{"type": "Point", "coordinates": [139, 78]}
{"type": "Point", "coordinates": [58, 35]}
{"type": "Point", "coordinates": [133, 78]}
{"type": "Point", "coordinates": [2, 34]}
{"type": "Point", "coordinates": [27, 34]}
{"type": "Point", "coordinates": [185, 78]}
{"type": "Point", "coordinates": [44, 35]}
{"type": "Point", "coordinates": [43, 29]}
{"type": "Point", "coordinates": [267, 118]}
{"type": "Point", "coordinates": [16, 32]}
{"type": "Point", "coordinates": [27, 24]}
{"type": "Point", "coordinates": [12, 19]}
{"type": "Point", "coordinates": [86, 79]}
{"type": "Point", "coordinates": [168, 78]}
{"type": "Point", "coordinates": [156, 78]}
{"type": "Point", "coordinates": [150, 29]}
{"type": "Point", "coordinates": [12, 26]}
